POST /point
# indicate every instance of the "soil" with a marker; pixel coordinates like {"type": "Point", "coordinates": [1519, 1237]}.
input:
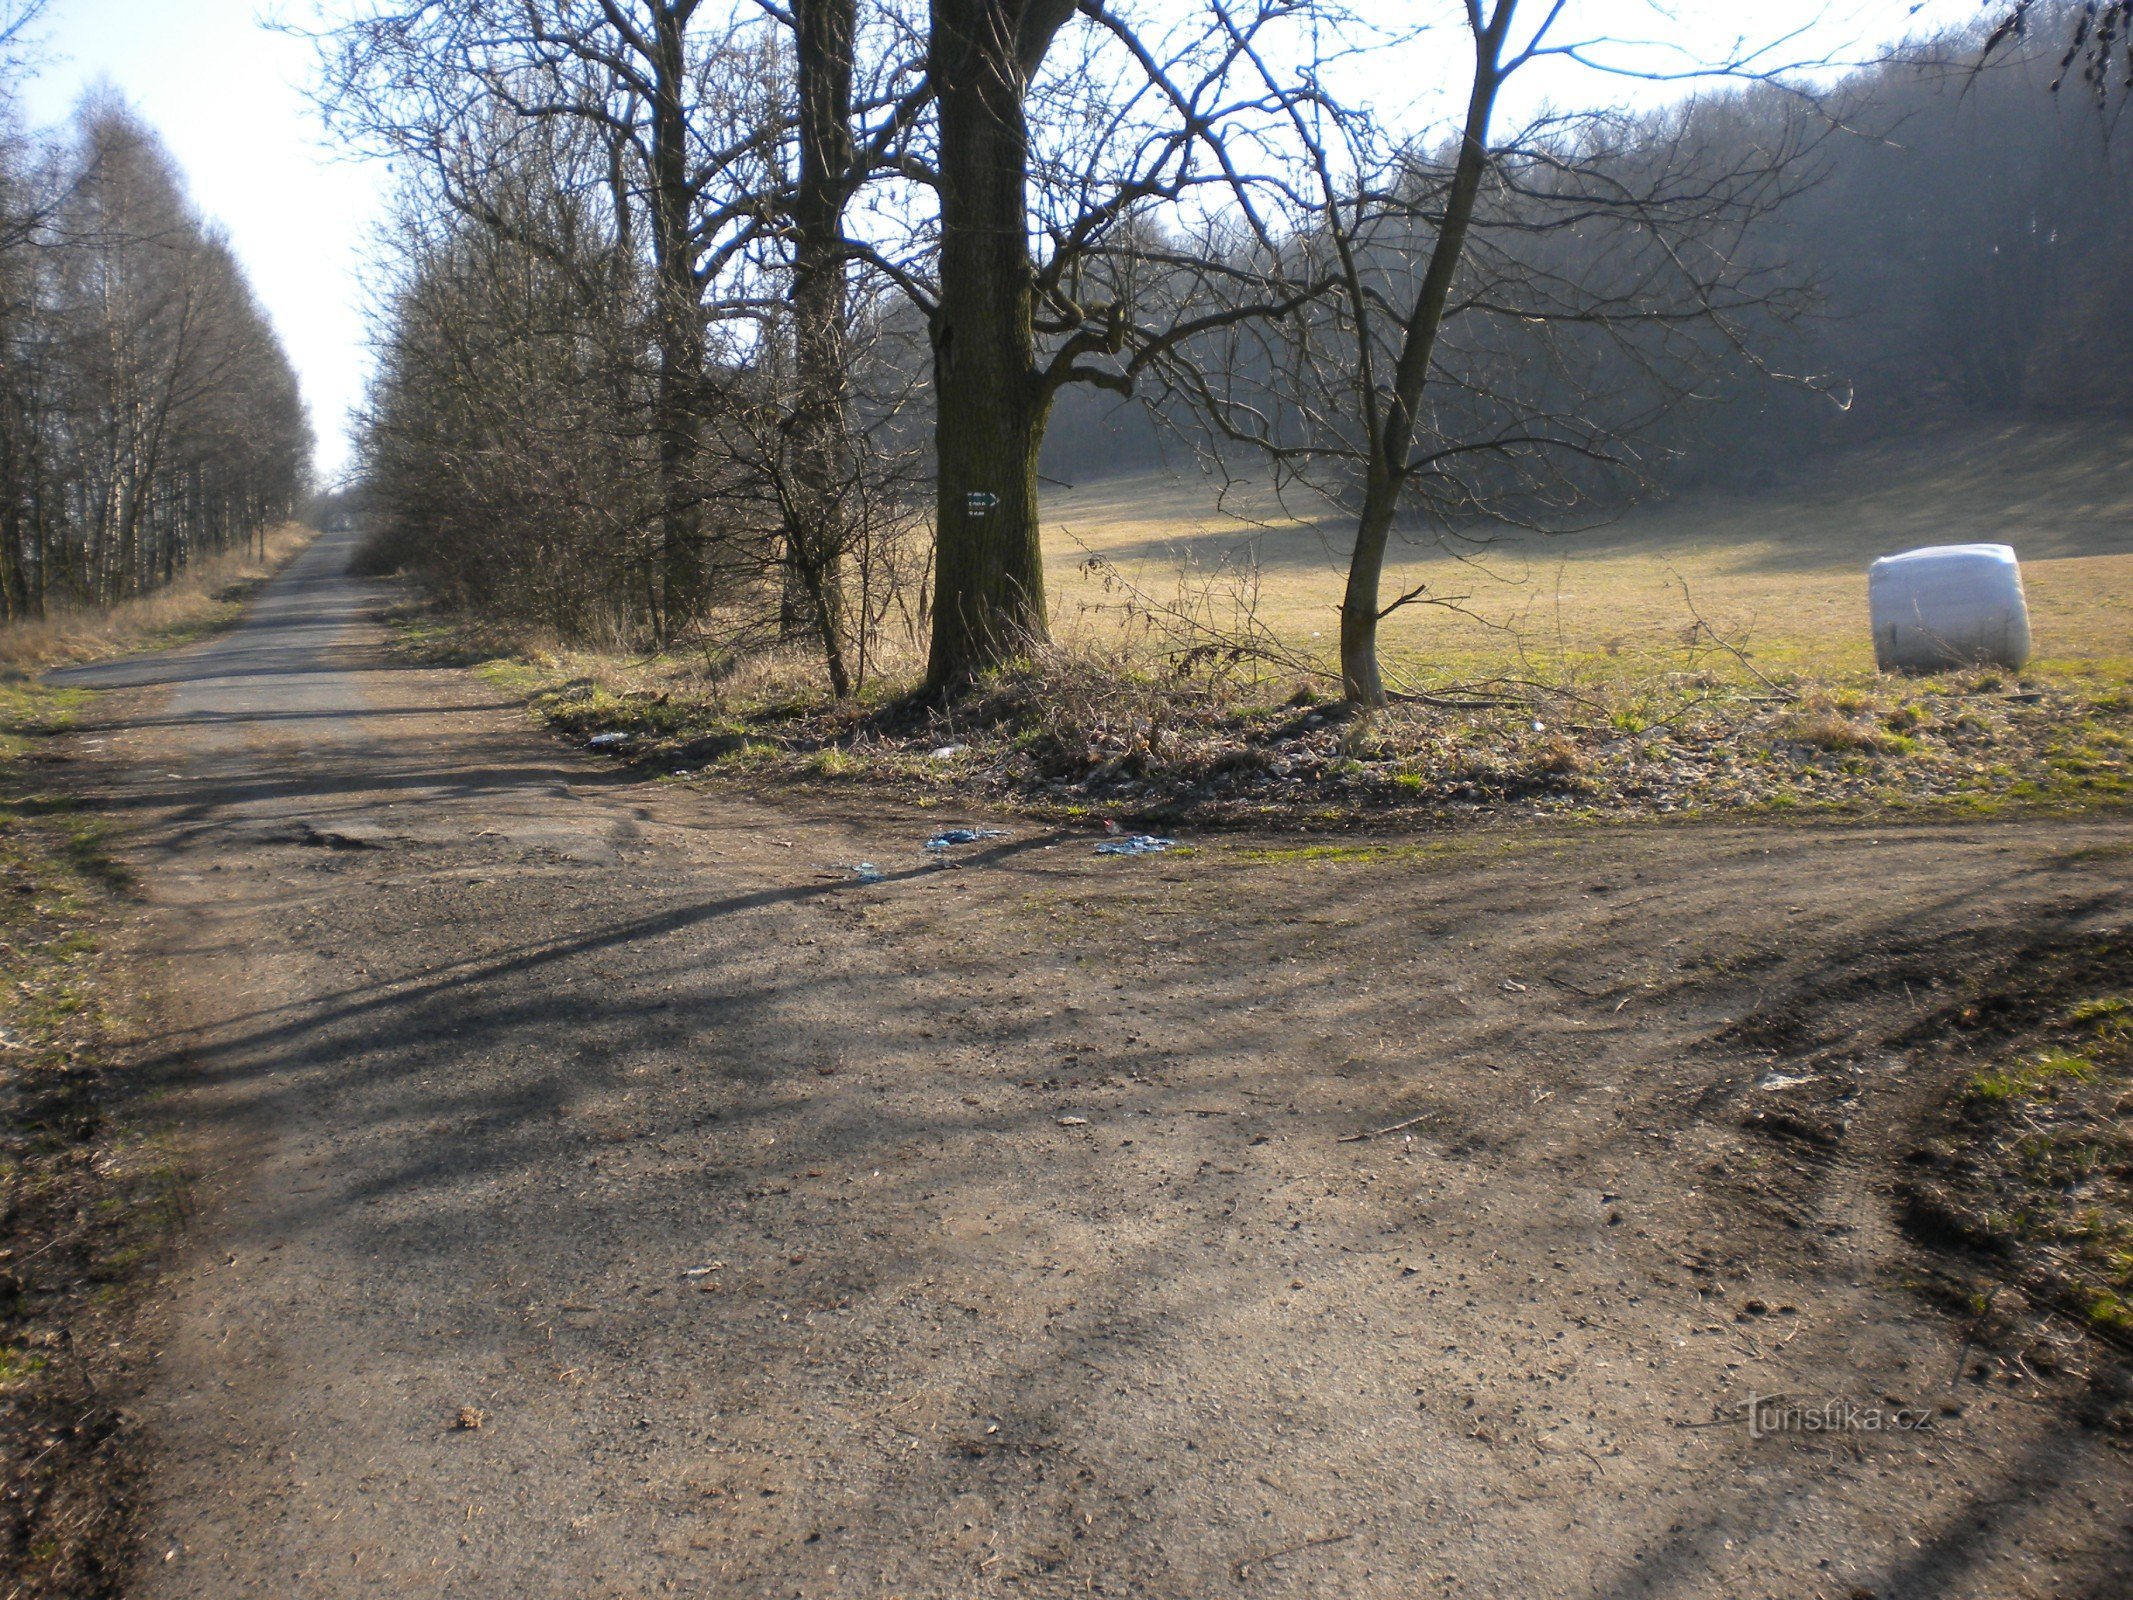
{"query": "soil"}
{"type": "Point", "coordinates": [603, 1192]}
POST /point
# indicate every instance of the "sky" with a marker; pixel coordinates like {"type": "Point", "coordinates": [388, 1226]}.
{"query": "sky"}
{"type": "Point", "coordinates": [226, 95]}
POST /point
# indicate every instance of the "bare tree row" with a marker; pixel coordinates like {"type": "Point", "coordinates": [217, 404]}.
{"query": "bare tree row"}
{"type": "Point", "coordinates": [699, 300]}
{"type": "Point", "coordinates": [148, 415]}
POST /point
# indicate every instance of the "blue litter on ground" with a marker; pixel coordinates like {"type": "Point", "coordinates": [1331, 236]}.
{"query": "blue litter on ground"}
{"type": "Point", "coordinates": [1138, 844]}
{"type": "Point", "coordinates": [955, 836]}
{"type": "Point", "coordinates": [603, 741]}
{"type": "Point", "coordinates": [866, 872]}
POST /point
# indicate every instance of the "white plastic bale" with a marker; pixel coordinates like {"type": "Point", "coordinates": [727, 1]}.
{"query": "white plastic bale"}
{"type": "Point", "coordinates": [1948, 605]}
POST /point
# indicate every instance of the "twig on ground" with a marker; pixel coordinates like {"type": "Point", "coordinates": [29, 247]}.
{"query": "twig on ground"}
{"type": "Point", "coordinates": [1440, 703]}
{"type": "Point", "coordinates": [1240, 1570]}
{"type": "Point", "coordinates": [1784, 695]}
{"type": "Point", "coordinates": [1357, 1138]}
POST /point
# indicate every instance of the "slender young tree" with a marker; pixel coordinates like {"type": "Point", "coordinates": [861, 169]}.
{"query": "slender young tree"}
{"type": "Point", "coordinates": [1389, 413]}
{"type": "Point", "coordinates": [1493, 322]}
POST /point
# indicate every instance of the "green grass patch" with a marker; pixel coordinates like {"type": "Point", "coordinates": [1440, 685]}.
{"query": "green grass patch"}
{"type": "Point", "coordinates": [1315, 854]}
{"type": "Point", "coordinates": [2104, 1309]}
{"type": "Point", "coordinates": [30, 711]}
{"type": "Point", "coordinates": [2001, 1085]}
{"type": "Point", "coordinates": [2111, 1013]}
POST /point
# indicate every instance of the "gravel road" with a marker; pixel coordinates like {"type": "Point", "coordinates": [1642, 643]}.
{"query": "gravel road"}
{"type": "Point", "coordinates": [604, 1195]}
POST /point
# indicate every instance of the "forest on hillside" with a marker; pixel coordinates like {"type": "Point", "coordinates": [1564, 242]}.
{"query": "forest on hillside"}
{"type": "Point", "coordinates": [148, 415]}
{"type": "Point", "coordinates": [1960, 240]}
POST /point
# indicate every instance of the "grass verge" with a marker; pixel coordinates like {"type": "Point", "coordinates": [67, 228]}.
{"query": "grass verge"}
{"type": "Point", "coordinates": [1075, 734]}
{"type": "Point", "coordinates": [2027, 1170]}
{"type": "Point", "coordinates": [85, 1200]}
{"type": "Point", "coordinates": [206, 597]}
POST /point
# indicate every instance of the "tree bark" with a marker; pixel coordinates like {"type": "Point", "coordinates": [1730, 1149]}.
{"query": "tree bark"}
{"type": "Point", "coordinates": [990, 400]}
{"type": "Point", "coordinates": [677, 407]}
{"type": "Point", "coordinates": [15, 477]}
{"type": "Point", "coordinates": [819, 533]}
{"type": "Point", "coordinates": [1361, 679]}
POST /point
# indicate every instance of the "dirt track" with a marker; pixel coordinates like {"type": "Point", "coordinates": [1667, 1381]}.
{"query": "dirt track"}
{"type": "Point", "coordinates": [753, 1210]}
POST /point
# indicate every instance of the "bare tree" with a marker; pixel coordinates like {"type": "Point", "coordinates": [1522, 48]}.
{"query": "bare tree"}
{"type": "Point", "coordinates": [1490, 323]}
{"type": "Point", "coordinates": [686, 129]}
{"type": "Point", "coordinates": [1139, 121]}
{"type": "Point", "coordinates": [738, 134]}
{"type": "Point", "coordinates": [843, 141]}
{"type": "Point", "coordinates": [506, 450]}
{"type": "Point", "coordinates": [17, 18]}
{"type": "Point", "coordinates": [940, 112]}
{"type": "Point", "coordinates": [1173, 204]}
{"type": "Point", "coordinates": [989, 393]}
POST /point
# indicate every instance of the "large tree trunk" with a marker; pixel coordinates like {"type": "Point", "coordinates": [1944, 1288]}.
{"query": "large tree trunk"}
{"type": "Point", "coordinates": [821, 443]}
{"type": "Point", "coordinates": [1361, 680]}
{"type": "Point", "coordinates": [990, 400]}
{"type": "Point", "coordinates": [679, 332]}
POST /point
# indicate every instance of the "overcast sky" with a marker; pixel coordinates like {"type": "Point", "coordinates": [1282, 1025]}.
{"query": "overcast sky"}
{"type": "Point", "coordinates": [226, 95]}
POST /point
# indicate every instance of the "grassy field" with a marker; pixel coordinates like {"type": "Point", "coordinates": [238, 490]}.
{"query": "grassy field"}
{"type": "Point", "coordinates": [1706, 655]}
{"type": "Point", "coordinates": [1780, 573]}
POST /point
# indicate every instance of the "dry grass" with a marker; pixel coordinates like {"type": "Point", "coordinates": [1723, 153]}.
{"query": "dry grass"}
{"type": "Point", "coordinates": [1070, 732]}
{"type": "Point", "coordinates": [1706, 656]}
{"type": "Point", "coordinates": [1154, 571]}
{"type": "Point", "coordinates": [1781, 573]}
{"type": "Point", "coordinates": [206, 596]}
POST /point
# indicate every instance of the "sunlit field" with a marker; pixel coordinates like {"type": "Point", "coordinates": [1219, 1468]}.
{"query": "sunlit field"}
{"type": "Point", "coordinates": [1779, 574]}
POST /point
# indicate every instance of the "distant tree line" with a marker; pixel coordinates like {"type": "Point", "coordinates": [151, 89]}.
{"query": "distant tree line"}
{"type": "Point", "coordinates": [1970, 241]}
{"type": "Point", "coordinates": [1955, 238]}
{"type": "Point", "coordinates": [148, 416]}
{"type": "Point", "coordinates": [720, 323]}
